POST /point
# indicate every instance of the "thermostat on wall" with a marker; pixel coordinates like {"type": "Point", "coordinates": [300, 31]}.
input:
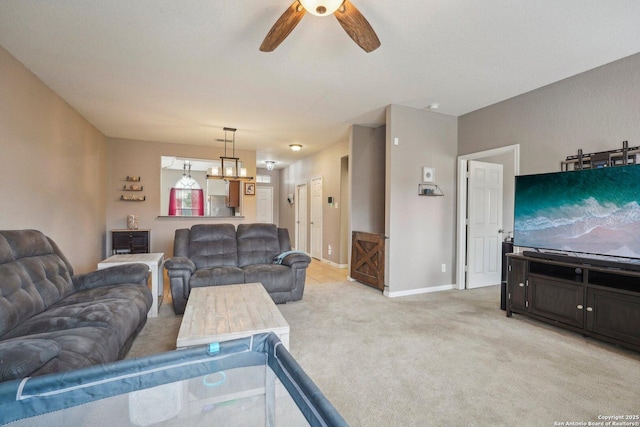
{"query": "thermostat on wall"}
{"type": "Point", "coordinates": [428, 174]}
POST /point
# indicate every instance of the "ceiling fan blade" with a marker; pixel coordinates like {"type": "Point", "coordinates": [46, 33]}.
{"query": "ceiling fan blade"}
{"type": "Point", "coordinates": [357, 27]}
{"type": "Point", "coordinates": [283, 27]}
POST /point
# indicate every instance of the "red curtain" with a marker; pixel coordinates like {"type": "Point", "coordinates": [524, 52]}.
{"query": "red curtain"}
{"type": "Point", "coordinates": [186, 202]}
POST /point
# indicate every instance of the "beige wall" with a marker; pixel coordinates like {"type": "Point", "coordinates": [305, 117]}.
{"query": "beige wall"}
{"type": "Point", "coordinates": [421, 229]}
{"type": "Point", "coordinates": [53, 166]}
{"type": "Point", "coordinates": [595, 111]}
{"type": "Point", "coordinates": [368, 150]}
{"type": "Point", "coordinates": [142, 158]}
{"type": "Point", "coordinates": [326, 164]}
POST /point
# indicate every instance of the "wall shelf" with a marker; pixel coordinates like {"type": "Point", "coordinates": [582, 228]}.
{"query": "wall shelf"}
{"type": "Point", "coordinates": [430, 190]}
{"type": "Point", "coordinates": [133, 198]}
{"type": "Point", "coordinates": [134, 188]}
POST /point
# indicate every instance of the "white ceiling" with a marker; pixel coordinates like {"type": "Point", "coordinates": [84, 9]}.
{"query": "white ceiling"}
{"type": "Point", "coordinates": [181, 70]}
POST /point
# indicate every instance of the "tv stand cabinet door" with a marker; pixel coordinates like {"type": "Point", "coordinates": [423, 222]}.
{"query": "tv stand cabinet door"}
{"type": "Point", "coordinates": [516, 285]}
{"type": "Point", "coordinates": [556, 300]}
{"type": "Point", "coordinates": [614, 315]}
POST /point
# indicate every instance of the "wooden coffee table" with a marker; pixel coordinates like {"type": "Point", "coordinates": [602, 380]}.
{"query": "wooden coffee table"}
{"type": "Point", "coordinates": [222, 313]}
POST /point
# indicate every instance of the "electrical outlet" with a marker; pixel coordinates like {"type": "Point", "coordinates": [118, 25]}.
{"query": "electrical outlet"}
{"type": "Point", "coordinates": [329, 250]}
{"type": "Point", "coordinates": [444, 268]}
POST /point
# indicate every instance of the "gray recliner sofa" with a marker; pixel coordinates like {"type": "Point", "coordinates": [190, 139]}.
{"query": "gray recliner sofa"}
{"type": "Point", "coordinates": [217, 254]}
{"type": "Point", "coordinates": [52, 320]}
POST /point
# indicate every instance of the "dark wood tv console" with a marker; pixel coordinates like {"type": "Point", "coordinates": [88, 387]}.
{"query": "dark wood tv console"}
{"type": "Point", "coordinates": [597, 301]}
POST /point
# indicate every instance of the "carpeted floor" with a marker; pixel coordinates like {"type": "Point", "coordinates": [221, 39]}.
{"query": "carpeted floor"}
{"type": "Point", "coordinates": [442, 359]}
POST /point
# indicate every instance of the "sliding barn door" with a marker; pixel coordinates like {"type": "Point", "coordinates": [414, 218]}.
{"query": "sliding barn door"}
{"type": "Point", "coordinates": [367, 258]}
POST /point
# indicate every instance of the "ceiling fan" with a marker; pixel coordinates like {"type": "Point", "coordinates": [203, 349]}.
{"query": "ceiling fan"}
{"type": "Point", "coordinates": [356, 26]}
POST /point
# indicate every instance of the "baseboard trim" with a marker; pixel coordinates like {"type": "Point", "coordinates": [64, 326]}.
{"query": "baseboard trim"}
{"type": "Point", "coordinates": [333, 264]}
{"type": "Point", "coordinates": [417, 291]}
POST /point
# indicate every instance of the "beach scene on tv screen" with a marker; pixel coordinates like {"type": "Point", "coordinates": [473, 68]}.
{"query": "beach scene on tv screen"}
{"type": "Point", "coordinates": [595, 211]}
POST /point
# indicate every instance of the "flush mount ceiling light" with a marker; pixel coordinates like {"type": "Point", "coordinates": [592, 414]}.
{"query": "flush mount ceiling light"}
{"type": "Point", "coordinates": [270, 164]}
{"type": "Point", "coordinates": [295, 147]}
{"type": "Point", "coordinates": [352, 21]}
{"type": "Point", "coordinates": [433, 106]}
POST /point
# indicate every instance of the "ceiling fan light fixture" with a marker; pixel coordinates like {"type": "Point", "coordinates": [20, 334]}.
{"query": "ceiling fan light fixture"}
{"type": "Point", "coordinates": [321, 7]}
{"type": "Point", "coordinates": [349, 17]}
{"type": "Point", "coordinates": [270, 164]}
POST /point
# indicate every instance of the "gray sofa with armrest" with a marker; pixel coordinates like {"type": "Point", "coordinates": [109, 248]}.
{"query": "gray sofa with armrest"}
{"type": "Point", "coordinates": [52, 320]}
{"type": "Point", "coordinates": [217, 254]}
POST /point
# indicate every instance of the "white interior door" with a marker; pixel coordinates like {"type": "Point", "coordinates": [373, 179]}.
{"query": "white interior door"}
{"type": "Point", "coordinates": [264, 204]}
{"type": "Point", "coordinates": [301, 218]}
{"type": "Point", "coordinates": [484, 224]}
{"type": "Point", "coordinates": [316, 218]}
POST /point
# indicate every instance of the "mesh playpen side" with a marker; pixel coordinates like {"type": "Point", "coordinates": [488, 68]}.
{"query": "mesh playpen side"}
{"type": "Point", "coordinates": [246, 382]}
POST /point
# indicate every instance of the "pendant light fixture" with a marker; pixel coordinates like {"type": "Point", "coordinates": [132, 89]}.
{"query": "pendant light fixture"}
{"type": "Point", "coordinates": [186, 181]}
{"type": "Point", "coordinates": [229, 165]}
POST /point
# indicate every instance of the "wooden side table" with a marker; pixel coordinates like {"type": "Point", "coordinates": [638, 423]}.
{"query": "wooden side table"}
{"type": "Point", "coordinates": [154, 261]}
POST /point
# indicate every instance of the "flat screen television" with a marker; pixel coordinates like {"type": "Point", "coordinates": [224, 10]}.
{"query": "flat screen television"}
{"type": "Point", "coordinates": [590, 211]}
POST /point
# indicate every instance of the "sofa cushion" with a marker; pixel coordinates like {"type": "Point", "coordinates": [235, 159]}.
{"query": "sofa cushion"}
{"type": "Point", "coordinates": [118, 307]}
{"type": "Point", "coordinates": [34, 276]}
{"type": "Point", "coordinates": [274, 277]}
{"type": "Point", "coordinates": [20, 358]}
{"type": "Point", "coordinates": [213, 245]}
{"type": "Point", "coordinates": [80, 347]}
{"type": "Point", "coordinates": [217, 276]}
{"type": "Point", "coordinates": [257, 244]}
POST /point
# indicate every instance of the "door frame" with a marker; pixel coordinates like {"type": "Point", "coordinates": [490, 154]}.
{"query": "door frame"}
{"type": "Point", "coordinates": [297, 215]}
{"type": "Point", "coordinates": [320, 213]}
{"type": "Point", "coordinates": [461, 245]}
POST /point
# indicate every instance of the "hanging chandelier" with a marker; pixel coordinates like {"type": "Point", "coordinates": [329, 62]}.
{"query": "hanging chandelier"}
{"type": "Point", "coordinates": [186, 181]}
{"type": "Point", "coordinates": [230, 166]}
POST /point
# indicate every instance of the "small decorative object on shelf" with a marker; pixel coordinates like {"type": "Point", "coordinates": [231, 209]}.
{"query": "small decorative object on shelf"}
{"type": "Point", "coordinates": [132, 222]}
{"type": "Point", "coordinates": [133, 187]}
{"type": "Point", "coordinates": [133, 178]}
{"type": "Point", "coordinates": [429, 190]}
